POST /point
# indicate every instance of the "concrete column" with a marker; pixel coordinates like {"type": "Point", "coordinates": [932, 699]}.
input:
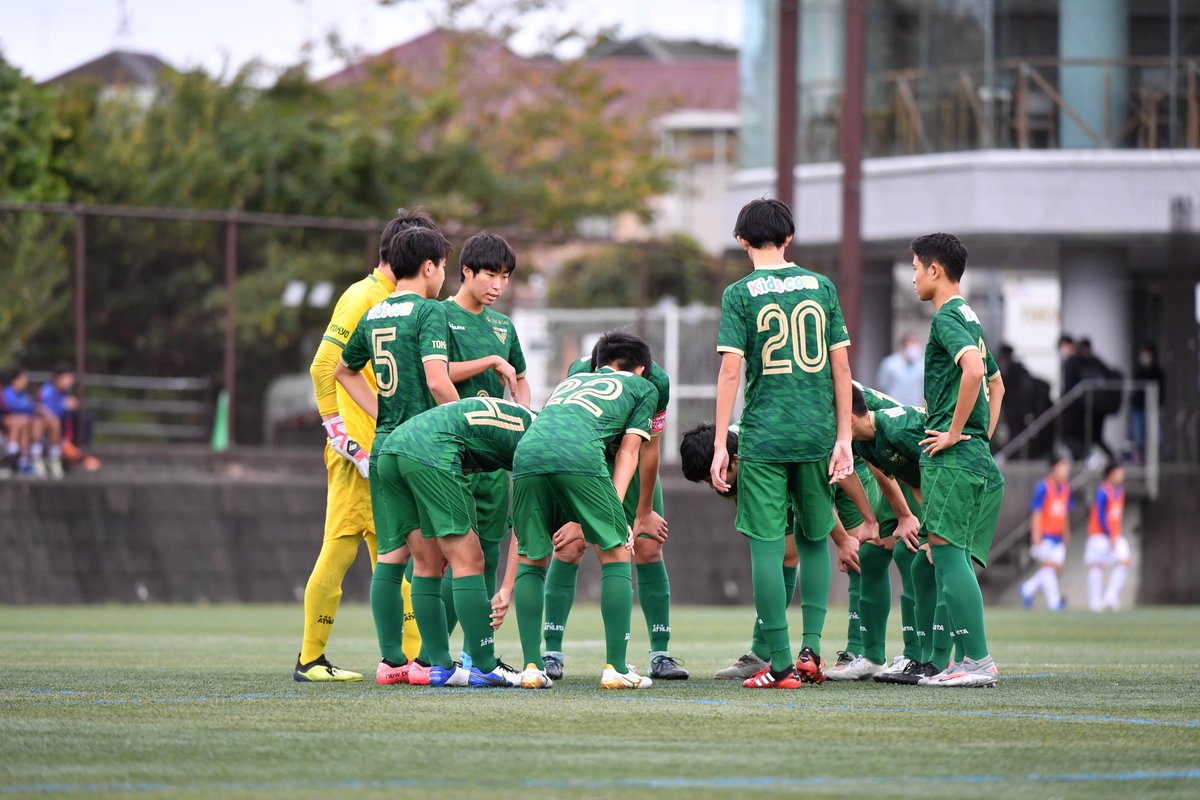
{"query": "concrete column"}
{"type": "Point", "coordinates": [1092, 29]}
{"type": "Point", "coordinates": [875, 335]}
{"type": "Point", "coordinates": [1096, 300]}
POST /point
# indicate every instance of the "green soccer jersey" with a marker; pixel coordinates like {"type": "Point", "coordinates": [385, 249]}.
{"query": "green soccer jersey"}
{"type": "Point", "coordinates": [483, 431]}
{"type": "Point", "coordinates": [896, 450]}
{"type": "Point", "coordinates": [582, 415]}
{"type": "Point", "coordinates": [874, 400]}
{"type": "Point", "coordinates": [488, 333]}
{"type": "Point", "coordinates": [956, 330]}
{"type": "Point", "coordinates": [398, 336]}
{"type": "Point", "coordinates": [657, 377]}
{"type": "Point", "coordinates": [784, 321]}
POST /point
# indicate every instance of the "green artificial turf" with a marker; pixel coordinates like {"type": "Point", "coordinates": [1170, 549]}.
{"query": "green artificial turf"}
{"type": "Point", "coordinates": [198, 701]}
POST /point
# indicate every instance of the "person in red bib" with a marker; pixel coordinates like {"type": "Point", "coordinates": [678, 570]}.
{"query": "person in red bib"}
{"type": "Point", "coordinates": [1050, 532]}
{"type": "Point", "coordinates": [1106, 546]}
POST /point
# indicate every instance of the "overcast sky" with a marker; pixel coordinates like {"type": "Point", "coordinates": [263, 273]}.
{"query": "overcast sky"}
{"type": "Point", "coordinates": [47, 37]}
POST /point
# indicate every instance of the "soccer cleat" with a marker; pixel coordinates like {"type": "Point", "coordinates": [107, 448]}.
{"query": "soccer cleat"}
{"type": "Point", "coordinates": [973, 674]}
{"type": "Point", "coordinates": [56, 468]}
{"type": "Point", "coordinates": [321, 671]}
{"type": "Point", "coordinates": [765, 679]}
{"type": "Point", "coordinates": [465, 661]}
{"type": "Point", "coordinates": [897, 667]}
{"type": "Point", "coordinates": [844, 660]}
{"type": "Point", "coordinates": [39, 468]}
{"type": "Point", "coordinates": [454, 675]}
{"type": "Point", "coordinates": [534, 678]}
{"type": "Point", "coordinates": [937, 678]}
{"type": "Point", "coordinates": [552, 665]}
{"type": "Point", "coordinates": [418, 673]}
{"type": "Point", "coordinates": [611, 679]}
{"type": "Point", "coordinates": [810, 666]}
{"type": "Point", "coordinates": [860, 669]}
{"type": "Point", "coordinates": [389, 674]}
{"type": "Point", "coordinates": [665, 668]}
{"type": "Point", "coordinates": [1026, 600]}
{"type": "Point", "coordinates": [746, 666]}
{"type": "Point", "coordinates": [501, 676]}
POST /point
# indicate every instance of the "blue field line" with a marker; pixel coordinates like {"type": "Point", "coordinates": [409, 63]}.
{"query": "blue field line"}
{"type": "Point", "coordinates": [741, 782]}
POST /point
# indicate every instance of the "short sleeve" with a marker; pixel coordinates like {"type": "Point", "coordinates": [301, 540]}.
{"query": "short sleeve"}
{"type": "Point", "coordinates": [1039, 497]}
{"type": "Point", "coordinates": [731, 336]}
{"type": "Point", "coordinates": [357, 351]}
{"type": "Point", "coordinates": [640, 419]}
{"type": "Point", "coordinates": [432, 332]}
{"type": "Point", "coordinates": [516, 356]}
{"type": "Point", "coordinates": [991, 368]}
{"type": "Point", "coordinates": [950, 331]}
{"type": "Point", "coordinates": [344, 321]}
{"type": "Point", "coordinates": [836, 334]}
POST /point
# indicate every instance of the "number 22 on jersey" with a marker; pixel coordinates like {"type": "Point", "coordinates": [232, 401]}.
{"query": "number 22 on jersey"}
{"type": "Point", "coordinates": [574, 391]}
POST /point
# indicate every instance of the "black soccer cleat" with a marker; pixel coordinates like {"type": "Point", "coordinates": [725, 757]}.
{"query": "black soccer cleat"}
{"type": "Point", "coordinates": [666, 668]}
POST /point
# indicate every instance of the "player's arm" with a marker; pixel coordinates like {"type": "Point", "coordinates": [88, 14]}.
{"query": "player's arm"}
{"type": "Point", "coordinates": [437, 377]}
{"type": "Point", "coordinates": [995, 400]}
{"type": "Point", "coordinates": [463, 370]}
{"type": "Point", "coordinates": [853, 487]}
{"type": "Point", "coordinates": [1067, 520]}
{"type": "Point", "coordinates": [907, 524]}
{"type": "Point", "coordinates": [647, 520]}
{"type": "Point", "coordinates": [355, 384]}
{"type": "Point", "coordinates": [847, 546]}
{"type": "Point", "coordinates": [728, 380]}
{"type": "Point", "coordinates": [1035, 514]}
{"type": "Point", "coordinates": [841, 463]}
{"type": "Point", "coordinates": [969, 387]}
{"type": "Point", "coordinates": [503, 596]}
{"type": "Point", "coordinates": [626, 462]}
{"type": "Point", "coordinates": [521, 393]}
{"type": "Point", "coordinates": [1102, 511]}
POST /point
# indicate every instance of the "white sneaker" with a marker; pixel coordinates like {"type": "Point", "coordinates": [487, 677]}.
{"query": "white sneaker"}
{"type": "Point", "coordinates": [56, 469]}
{"type": "Point", "coordinates": [860, 669]}
{"type": "Point", "coordinates": [39, 468]}
{"type": "Point", "coordinates": [936, 680]}
{"type": "Point", "coordinates": [534, 678]}
{"type": "Point", "coordinates": [974, 674]}
{"type": "Point", "coordinates": [611, 679]}
{"type": "Point", "coordinates": [844, 660]}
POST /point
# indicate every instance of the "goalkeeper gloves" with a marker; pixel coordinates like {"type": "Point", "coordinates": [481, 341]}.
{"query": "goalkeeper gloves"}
{"type": "Point", "coordinates": [346, 447]}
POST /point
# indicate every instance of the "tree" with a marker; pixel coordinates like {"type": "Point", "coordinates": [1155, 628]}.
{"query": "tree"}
{"type": "Point", "coordinates": [611, 276]}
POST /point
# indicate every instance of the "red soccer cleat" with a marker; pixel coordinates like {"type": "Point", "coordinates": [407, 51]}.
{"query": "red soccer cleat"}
{"type": "Point", "coordinates": [386, 674]}
{"type": "Point", "coordinates": [418, 674]}
{"type": "Point", "coordinates": [766, 680]}
{"type": "Point", "coordinates": [810, 666]}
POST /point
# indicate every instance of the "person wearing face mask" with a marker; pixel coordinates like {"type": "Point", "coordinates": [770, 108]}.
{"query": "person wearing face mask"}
{"type": "Point", "coordinates": [1146, 369]}
{"type": "Point", "coordinates": [902, 374]}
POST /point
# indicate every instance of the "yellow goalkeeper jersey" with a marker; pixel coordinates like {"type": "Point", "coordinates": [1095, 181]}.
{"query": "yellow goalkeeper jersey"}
{"type": "Point", "coordinates": [331, 397]}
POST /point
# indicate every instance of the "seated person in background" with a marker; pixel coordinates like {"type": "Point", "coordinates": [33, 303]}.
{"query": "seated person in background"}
{"type": "Point", "coordinates": [58, 399]}
{"type": "Point", "coordinates": [27, 424]}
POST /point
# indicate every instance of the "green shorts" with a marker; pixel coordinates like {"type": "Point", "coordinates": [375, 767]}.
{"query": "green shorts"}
{"type": "Point", "coordinates": [544, 503]}
{"type": "Point", "coordinates": [962, 507]}
{"type": "Point", "coordinates": [631, 500]}
{"type": "Point", "coordinates": [764, 490]}
{"type": "Point", "coordinates": [490, 490]}
{"type": "Point", "coordinates": [847, 512]}
{"type": "Point", "coordinates": [419, 496]}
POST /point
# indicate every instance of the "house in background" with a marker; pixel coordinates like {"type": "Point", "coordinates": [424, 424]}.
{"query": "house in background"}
{"type": "Point", "coordinates": [119, 71]}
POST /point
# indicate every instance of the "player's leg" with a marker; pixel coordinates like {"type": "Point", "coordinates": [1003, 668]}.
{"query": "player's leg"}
{"type": "Point", "coordinates": [473, 603]}
{"type": "Point", "coordinates": [812, 496]}
{"type": "Point", "coordinates": [490, 495]}
{"type": "Point", "coordinates": [750, 664]}
{"type": "Point", "coordinates": [1116, 578]}
{"type": "Point", "coordinates": [1096, 554]}
{"type": "Point", "coordinates": [654, 590]}
{"type": "Point", "coordinates": [347, 516]}
{"type": "Point", "coordinates": [561, 580]}
{"type": "Point", "coordinates": [396, 514]}
{"type": "Point", "coordinates": [762, 516]}
{"type": "Point", "coordinates": [874, 607]}
{"type": "Point", "coordinates": [535, 510]}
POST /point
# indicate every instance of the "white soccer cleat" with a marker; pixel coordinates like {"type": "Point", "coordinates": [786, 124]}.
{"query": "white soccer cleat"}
{"type": "Point", "coordinates": [936, 680]}
{"type": "Point", "coordinates": [860, 669]}
{"type": "Point", "coordinates": [974, 674]}
{"type": "Point", "coordinates": [534, 678]}
{"type": "Point", "coordinates": [611, 679]}
{"type": "Point", "coordinates": [844, 660]}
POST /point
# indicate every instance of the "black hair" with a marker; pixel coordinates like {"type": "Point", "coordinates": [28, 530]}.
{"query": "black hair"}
{"type": "Point", "coordinates": [858, 403]}
{"type": "Point", "coordinates": [1056, 460]}
{"type": "Point", "coordinates": [404, 219]}
{"type": "Point", "coordinates": [61, 368]}
{"type": "Point", "coordinates": [945, 249]}
{"type": "Point", "coordinates": [623, 349]}
{"type": "Point", "coordinates": [412, 247]}
{"type": "Point", "coordinates": [487, 252]}
{"type": "Point", "coordinates": [1151, 348]}
{"type": "Point", "coordinates": [1110, 468]}
{"type": "Point", "coordinates": [763, 221]}
{"type": "Point", "coordinates": [696, 450]}
{"type": "Point", "coordinates": [1065, 339]}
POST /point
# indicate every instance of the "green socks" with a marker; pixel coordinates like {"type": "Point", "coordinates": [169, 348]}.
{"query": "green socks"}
{"type": "Point", "coordinates": [875, 601]}
{"type": "Point", "coordinates": [854, 626]}
{"type": "Point", "coordinates": [448, 600]}
{"type": "Point", "coordinates": [616, 608]}
{"type": "Point", "coordinates": [431, 621]}
{"type": "Point", "coordinates": [925, 599]}
{"type": "Point", "coordinates": [758, 645]}
{"type": "Point", "coordinates": [475, 611]}
{"type": "Point", "coordinates": [814, 589]}
{"type": "Point", "coordinates": [654, 595]}
{"type": "Point", "coordinates": [560, 596]}
{"type": "Point", "coordinates": [908, 615]}
{"type": "Point", "coordinates": [387, 608]}
{"type": "Point", "coordinates": [770, 599]}
{"type": "Point", "coordinates": [964, 600]}
{"type": "Point", "coordinates": [528, 591]}
{"type": "Point", "coordinates": [491, 562]}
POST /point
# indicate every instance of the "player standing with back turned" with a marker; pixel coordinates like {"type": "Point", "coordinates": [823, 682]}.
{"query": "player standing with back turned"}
{"type": "Point", "coordinates": [785, 322]}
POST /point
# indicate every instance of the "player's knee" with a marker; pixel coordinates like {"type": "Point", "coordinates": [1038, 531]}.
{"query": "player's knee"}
{"type": "Point", "coordinates": [614, 555]}
{"type": "Point", "coordinates": [647, 551]}
{"type": "Point", "coordinates": [572, 552]}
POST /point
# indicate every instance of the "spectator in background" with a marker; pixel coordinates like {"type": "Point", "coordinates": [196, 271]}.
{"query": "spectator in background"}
{"type": "Point", "coordinates": [902, 374]}
{"type": "Point", "coordinates": [1107, 547]}
{"type": "Point", "coordinates": [31, 423]}
{"type": "Point", "coordinates": [1105, 401]}
{"type": "Point", "coordinates": [1050, 533]}
{"type": "Point", "coordinates": [1147, 369]}
{"type": "Point", "coordinates": [58, 398]}
{"type": "Point", "coordinates": [1016, 412]}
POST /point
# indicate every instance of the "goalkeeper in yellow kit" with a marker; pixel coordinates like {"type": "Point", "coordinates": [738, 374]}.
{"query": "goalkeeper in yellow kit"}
{"type": "Point", "coordinates": [348, 518]}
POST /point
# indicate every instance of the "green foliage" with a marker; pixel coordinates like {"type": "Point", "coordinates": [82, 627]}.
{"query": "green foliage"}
{"type": "Point", "coordinates": [612, 275]}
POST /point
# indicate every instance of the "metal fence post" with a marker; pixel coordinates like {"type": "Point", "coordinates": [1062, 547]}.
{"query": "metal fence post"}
{"type": "Point", "coordinates": [231, 234]}
{"type": "Point", "coordinates": [80, 299]}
